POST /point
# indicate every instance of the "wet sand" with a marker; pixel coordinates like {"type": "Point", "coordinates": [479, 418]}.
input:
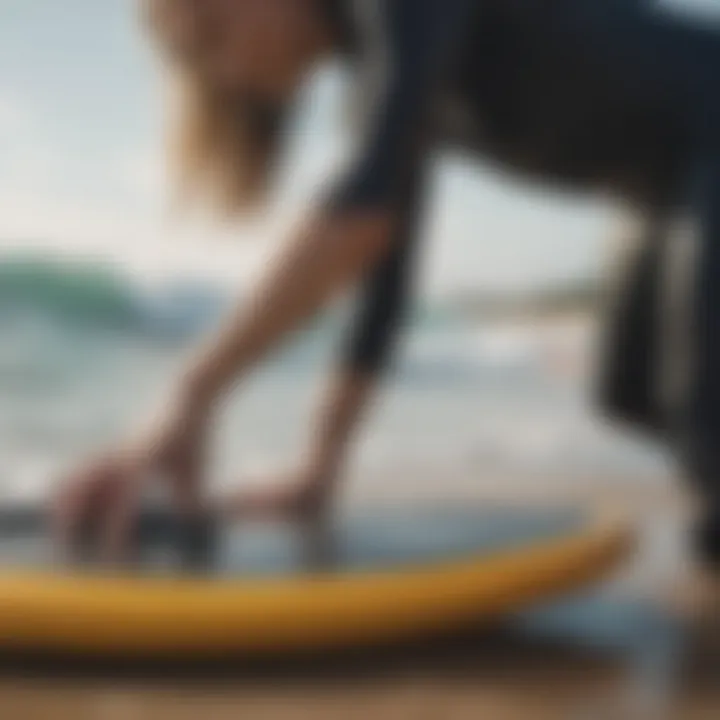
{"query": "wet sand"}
{"type": "Point", "coordinates": [499, 677]}
{"type": "Point", "coordinates": [580, 661]}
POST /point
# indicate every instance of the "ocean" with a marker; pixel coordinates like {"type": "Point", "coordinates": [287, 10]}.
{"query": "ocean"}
{"type": "Point", "coordinates": [85, 352]}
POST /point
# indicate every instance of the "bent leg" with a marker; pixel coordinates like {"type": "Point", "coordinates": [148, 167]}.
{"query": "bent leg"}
{"type": "Point", "coordinates": [626, 385]}
{"type": "Point", "coordinates": [692, 385]}
{"type": "Point", "coordinates": [659, 361]}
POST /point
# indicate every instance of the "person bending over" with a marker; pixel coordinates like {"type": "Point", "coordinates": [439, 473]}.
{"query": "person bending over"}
{"type": "Point", "coordinates": [609, 96]}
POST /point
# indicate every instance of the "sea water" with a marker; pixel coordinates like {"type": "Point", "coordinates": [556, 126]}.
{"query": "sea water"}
{"type": "Point", "coordinates": [83, 355]}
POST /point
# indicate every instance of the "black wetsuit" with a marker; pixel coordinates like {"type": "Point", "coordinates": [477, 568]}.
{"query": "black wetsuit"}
{"type": "Point", "coordinates": [616, 96]}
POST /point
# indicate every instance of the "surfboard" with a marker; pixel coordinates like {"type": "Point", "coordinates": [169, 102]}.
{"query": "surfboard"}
{"type": "Point", "coordinates": [277, 588]}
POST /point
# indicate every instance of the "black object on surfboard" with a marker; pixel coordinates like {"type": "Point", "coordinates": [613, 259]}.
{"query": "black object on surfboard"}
{"type": "Point", "coordinates": [262, 588]}
{"type": "Point", "coordinates": [384, 538]}
{"type": "Point", "coordinates": [193, 542]}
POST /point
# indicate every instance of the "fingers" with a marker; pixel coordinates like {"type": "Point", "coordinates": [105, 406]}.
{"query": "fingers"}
{"type": "Point", "coordinates": [291, 500]}
{"type": "Point", "coordinates": [250, 502]}
{"type": "Point", "coordinates": [109, 493]}
{"type": "Point", "coordinates": [79, 501]}
{"type": "Point", "coordinates": [187, 484]}
{"type": "Point", "coordinates": [115, 540]}
{"type": "Point", "coordinates": [65, 510]}
{"type": "Point", "coordinates": [98, 504]}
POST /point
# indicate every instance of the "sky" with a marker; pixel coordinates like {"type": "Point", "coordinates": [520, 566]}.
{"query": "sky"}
{"type": "Point", "coordinates": [81, 169]}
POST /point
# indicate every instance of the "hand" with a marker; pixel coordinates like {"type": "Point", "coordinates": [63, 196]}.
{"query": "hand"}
{"type": "Point", "coordinates": [109, 489]}
{"type": "Point", "coordinates": [304, 494]}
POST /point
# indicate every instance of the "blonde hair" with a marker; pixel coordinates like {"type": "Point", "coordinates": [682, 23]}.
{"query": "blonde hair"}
{"type": "Point", "coordinates": [223, 145]}
{"type": "Point", "coordinates": [223, 148]}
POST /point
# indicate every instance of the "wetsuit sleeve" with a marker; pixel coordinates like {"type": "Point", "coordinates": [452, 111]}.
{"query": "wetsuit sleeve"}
{"type": "Point", "coordinates": [410, 49]}
{"type": "Point", "coordinates": [384, 299]}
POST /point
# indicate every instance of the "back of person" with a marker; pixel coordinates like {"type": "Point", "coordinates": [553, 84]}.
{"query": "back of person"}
{"type": "Point", "coordinates": [585, 92]}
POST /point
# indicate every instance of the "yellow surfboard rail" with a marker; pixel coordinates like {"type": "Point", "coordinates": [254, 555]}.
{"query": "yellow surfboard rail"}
{"type": "Point", "coordinates": [156, 617]}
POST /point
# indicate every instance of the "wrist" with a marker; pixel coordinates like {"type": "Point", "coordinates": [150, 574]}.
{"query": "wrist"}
{"type": "Point", "coordinates": [325, 462]}
{"type": "Point", "coordinates": [197, 393]}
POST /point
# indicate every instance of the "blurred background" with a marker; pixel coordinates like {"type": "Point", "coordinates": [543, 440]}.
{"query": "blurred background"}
{"type": "Point", "coordinates": [103, 288]}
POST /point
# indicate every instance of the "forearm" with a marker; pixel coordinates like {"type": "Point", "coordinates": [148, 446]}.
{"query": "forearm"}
{"type": "Point", "coordinates": [424, 41]}
{"type": "Point", "coordinates": [340, 414]}
{"type": "Point", "coordinates": [370, 343]}
{"type": "Point", "coordinates": [365, 360]}
{"type": "Point", "coordinates": [319, 262]}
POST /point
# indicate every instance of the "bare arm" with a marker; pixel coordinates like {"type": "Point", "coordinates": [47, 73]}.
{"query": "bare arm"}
{"type": "Point", "coordinates": [359, 227]}
{"type": "Point", "coordinates": [340, 413]}
{"type": "Point", "coordinates": [369, 347]}
{"type": "Point", "coordinates": [319, 262]}
{"type": "Point", "coordinates": [353, 235]}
